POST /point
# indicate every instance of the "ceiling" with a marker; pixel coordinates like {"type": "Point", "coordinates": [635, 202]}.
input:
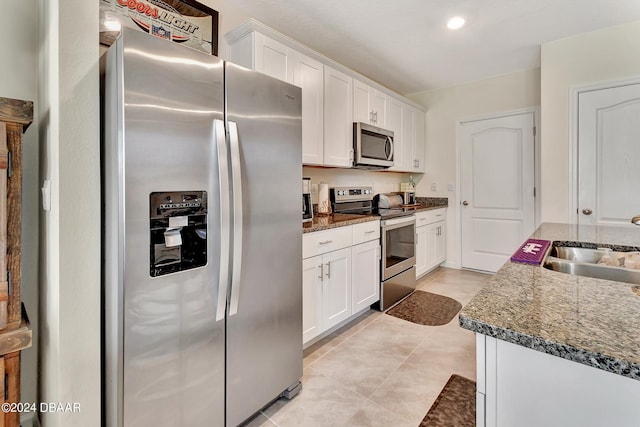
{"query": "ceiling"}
{"type": "Point", "coordinates": [405, 45]}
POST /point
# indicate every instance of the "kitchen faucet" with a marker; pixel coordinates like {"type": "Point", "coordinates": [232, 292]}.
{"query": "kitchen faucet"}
{"type": "Point", "coordinates": [636, 220]}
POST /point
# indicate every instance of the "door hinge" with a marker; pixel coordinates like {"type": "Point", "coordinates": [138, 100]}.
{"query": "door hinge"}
{"type": "Point", "coordinates": [534, 191]}
{"type": "Point", "coordinates": [534, 131]}
{"type": "Point", "coordinates": [9, 164]}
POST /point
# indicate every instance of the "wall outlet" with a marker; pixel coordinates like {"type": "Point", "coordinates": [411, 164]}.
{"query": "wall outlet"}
{"type": "Point", "coordinates": [434, 186]}
{"type": "Point", "coordinates": [451, 186]}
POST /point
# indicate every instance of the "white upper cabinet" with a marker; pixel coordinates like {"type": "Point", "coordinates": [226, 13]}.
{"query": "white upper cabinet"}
{"type": "Point", "coordinates": [338, 121]}
{"type": "Point", "coordinates": [394, 123]}
{"type": "Point", "coordinates": [309, 75]}
{"type": "Point", "coordinates": [269, 56]}
{"type": "Point", "coordinates": [420, 142]}
{"type": "Point", "coordinates": [369, 104]}
{"type": "Point", "coordinates": [333, 97]}
{"type": "Point", "coordinates": [272, 58]}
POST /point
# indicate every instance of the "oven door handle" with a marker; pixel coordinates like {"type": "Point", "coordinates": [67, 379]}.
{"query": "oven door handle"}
{"type": "Point", "coordinates": [390, 224]}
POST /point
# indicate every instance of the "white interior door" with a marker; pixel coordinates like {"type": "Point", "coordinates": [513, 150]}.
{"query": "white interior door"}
{"type": "Point", "coordinates": [496, 188]}
{"type": "Point", "coordinates": [608, 155]}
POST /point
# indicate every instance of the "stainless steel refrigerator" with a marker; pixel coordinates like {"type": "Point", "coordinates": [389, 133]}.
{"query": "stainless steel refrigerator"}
{"type": "Point", "coordinates": [202, 240]}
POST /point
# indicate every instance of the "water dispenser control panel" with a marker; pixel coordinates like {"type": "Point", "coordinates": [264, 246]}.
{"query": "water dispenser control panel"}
{"type": "Point", "coordinates": [178, 227]}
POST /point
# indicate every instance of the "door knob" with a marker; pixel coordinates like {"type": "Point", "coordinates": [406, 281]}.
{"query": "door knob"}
{"type": "Point", "coordinates": [465, 203]}
{"type": "Point", "coordinates": [587, 211]}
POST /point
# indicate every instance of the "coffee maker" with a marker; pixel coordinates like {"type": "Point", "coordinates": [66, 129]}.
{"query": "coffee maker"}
{"type": "Point", "coordinates": [307, 206]}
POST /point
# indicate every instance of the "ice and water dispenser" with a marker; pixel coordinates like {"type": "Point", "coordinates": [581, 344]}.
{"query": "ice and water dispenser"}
{"type": "Point", "coordinates": [178, 226]}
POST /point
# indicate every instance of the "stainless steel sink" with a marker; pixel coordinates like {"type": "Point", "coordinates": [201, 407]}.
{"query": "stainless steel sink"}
{"type": "Point", "coordinates": [598, 271]}
{"type": "Point", "coordinates": [581, 261]}
{"type": "Point", "coordinates": [577, 254]}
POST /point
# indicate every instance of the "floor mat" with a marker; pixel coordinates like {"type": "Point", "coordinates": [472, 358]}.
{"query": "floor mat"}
{"type": "Point", "coordinates": [455, 406]}
{"type": "Point", "coordinates": [425, 308]}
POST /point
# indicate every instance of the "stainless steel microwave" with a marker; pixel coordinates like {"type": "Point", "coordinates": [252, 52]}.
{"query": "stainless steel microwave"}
{"type": "Point", "coordinates": [372, 146]}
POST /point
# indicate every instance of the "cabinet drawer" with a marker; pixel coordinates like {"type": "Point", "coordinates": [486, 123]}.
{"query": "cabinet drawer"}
{"type": "Point", "coordinates": [320, 242]}
{"type": "Point", "coordinates": [429, 217]}
{"type": "Point", "coordinates": [365, 232]}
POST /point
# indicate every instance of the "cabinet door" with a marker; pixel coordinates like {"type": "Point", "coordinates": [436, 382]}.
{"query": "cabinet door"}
{"type": "Point", "coordinates": [361, 108]}
{"type": "Point", "coordinates": [422, 236]}
{"type": "Point", "coordinates": [272, 58]}
{"type": "Point", "coordinates": [378, 105]}
{"type": "Point", "coordinates": [338, 122]}
{"type": "Point", "coordinates": [311, 298]}
{"type": "Point", "coordinates": [441, 242]}
{"type": "Point", "coordinates": [366, 275]}
{"type": "Point", "coordinates": [336, 287]}
{"type": "Point", "coordinates": [409, 137]}
{"type": "Point", "coordinates": [420, 142]}
{"type": "Point", "coordinates": [394, 123]}
{"type": "Point", "coordinates": [308, 74]}
{"type": "Point", "coordinates": [431, 239]}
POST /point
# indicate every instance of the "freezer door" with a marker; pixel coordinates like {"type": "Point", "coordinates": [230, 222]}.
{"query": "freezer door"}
{"type": "Point", "coordinates": [264, 325]}
{"type": "Point", "coordinates": [164, 343]}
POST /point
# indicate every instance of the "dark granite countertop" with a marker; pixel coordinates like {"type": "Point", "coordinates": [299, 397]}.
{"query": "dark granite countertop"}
{"type": "Point", "coordinates": [428, 203]}
{"type": "Point", "coordinates": [325, 222]}
{"type": "Point", "coordinates": [590, 321]}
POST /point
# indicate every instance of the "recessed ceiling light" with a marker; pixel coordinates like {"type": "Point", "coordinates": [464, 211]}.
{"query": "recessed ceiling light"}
{"type": "Point", "coordinates": [455, 23]}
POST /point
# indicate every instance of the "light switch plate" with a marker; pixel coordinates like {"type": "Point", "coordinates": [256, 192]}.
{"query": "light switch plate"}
{"type": "Point", "coordinates": [451, 186]}
{"type": "Point", "coordinates": [46, 195]}
{"type": "Point", "coordinates": [434, 186]}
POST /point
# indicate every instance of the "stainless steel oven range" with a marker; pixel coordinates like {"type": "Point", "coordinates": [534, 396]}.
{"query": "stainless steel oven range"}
{"type": "Point", "coordinates": [398, 238]}
{"type": "Point", "coordinates": [398, 241]}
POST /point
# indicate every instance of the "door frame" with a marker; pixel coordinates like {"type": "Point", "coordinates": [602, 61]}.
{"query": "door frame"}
{"type": "Point", "coordinates": [536, 170]}
{"type": "Point", "coordinates": [574, 93]}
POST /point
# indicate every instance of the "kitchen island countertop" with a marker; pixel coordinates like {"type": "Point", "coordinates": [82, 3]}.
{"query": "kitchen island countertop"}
{"type": "Point", "coordinates": [590, 321]}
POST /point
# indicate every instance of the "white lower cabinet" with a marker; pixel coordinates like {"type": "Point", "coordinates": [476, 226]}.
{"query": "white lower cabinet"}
{"type": "Point", "coordinates": [430, 240]}
{"type": "Point", "coordinates": [311, 297]}
{"type": "Point", "coordinates": [519, 386]}
{"type": "Point", "coordinates": [340, 275]}
{"type": "Point", "coordinates": [336, 287]}
{"type": "Point", "coordinates": [326, 292]}
{"type": "Point", "coordinates": [366, 275]}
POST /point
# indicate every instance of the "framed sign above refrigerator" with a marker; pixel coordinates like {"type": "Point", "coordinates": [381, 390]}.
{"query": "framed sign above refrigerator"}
{"type": "Point", "coordinates": [186, 22]}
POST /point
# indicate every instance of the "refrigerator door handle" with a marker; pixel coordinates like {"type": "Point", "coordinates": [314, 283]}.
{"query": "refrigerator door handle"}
{"type": "Point", "coordinates": [225, 218]}
{"type": "Point", "coordinates": [236, 176]}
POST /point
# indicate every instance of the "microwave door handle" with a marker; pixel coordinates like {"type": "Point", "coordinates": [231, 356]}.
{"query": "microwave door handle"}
{"type": "Point", "coordinates": [388, 148]}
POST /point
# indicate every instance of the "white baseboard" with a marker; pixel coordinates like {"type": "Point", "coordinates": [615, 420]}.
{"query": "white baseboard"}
{"type": "Point", "coordinates": [452, 264]}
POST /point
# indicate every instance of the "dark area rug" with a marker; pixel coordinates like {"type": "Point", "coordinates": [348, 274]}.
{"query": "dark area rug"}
{"type": "Point", "coordinates": [455, 406]}
{"type": "Point", "coordinates": [425, 308]}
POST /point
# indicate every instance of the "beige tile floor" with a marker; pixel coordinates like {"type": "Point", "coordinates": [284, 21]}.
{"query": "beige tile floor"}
{"type": "Point", "coordinates": [380, 370]}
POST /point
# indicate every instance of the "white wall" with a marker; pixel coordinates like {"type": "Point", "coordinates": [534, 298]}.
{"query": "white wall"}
{"type": "Point", "coordinates": [19, 47]}
{"type": "Point", "coordinates": [447, 106]}
{"type": "Point", "coordinates": [605, 55]}
{"type": "Point", "coordinates": [70, 264]}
